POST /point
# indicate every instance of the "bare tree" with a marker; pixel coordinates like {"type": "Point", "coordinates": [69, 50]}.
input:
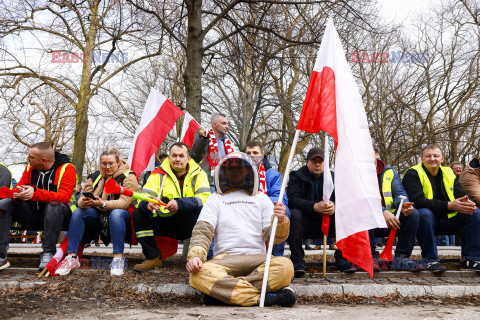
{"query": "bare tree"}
{"type": "Point", "coordinates": [75, 48]}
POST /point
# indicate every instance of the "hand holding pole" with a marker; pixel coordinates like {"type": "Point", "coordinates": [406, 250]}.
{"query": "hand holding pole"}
{"type": "Point", "coordinates": [387, 251]}
{"type": "Point", "coordinates": [275, 222]}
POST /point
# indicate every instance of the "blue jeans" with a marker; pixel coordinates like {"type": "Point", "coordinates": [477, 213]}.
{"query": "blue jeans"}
{"type": "Point", "coordinates": [88, 218]}
{"type": "Point", "coordinates": [429, 225]}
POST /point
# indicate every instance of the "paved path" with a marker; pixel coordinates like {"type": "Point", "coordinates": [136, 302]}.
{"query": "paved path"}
{"type": "Point", "coordinates": [31, 248]}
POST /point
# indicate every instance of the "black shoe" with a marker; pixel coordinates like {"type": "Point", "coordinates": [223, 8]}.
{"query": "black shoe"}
{"type": "Point", "coordinates": [299, 269]}
{"type": "Point", "coordinates": [211, 301]}
{"type": "Point", "coordinates": [285, 297]}
{"type": "Point", "coordinates": [435, 267]}
{"type": "Point", "coordinates": [343, 265]}
{"type": "Point", "coordinates": [470, 264]}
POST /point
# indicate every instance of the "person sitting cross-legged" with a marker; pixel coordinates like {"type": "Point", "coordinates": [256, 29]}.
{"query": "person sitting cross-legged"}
{"type": "Point", "coordinates": [240, 218]}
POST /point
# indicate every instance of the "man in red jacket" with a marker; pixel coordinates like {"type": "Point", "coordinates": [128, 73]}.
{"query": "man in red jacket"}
{"type": "Point", "coordinates": [45, 190]}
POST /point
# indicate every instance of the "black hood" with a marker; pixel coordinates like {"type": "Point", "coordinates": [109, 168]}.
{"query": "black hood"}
{"type": "Point", "coordinates": [474, 163]}
{"type": "Point", "coordinates": [60, 159]}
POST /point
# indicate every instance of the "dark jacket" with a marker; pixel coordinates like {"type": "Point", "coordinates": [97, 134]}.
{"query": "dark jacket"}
{"type": "Point", "coordinates": [438, 205]}
{"type": "Point", "coordinates": [199, 154]}
{"type": "Point", "coordinates": [301, 191]}
{"type": "Point", "coordinates": [5, 176]}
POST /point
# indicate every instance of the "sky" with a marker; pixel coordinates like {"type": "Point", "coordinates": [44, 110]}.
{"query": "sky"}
{"type": "Point", "coordinates": [402, 10]}
{"type": "Point", "coordinates": [391, 10]}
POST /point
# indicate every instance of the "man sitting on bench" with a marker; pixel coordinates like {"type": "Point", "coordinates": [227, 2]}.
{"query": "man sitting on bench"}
{"type": "Point", "coordinates": [444, 207]}
{"type": "Point", "coordinates": [44, 191]}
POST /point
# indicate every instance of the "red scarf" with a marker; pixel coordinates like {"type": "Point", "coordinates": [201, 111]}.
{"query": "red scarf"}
{"type": "Point", "coordinates": [213, 153]}
{"type": "Point", "coordinates": [263, 180]}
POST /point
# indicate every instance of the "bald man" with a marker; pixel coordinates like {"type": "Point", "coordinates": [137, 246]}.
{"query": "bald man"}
{"type": "Point", "coordinates": [41, 200]}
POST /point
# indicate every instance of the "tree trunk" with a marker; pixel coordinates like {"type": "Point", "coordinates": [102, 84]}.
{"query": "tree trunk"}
{"type": "Point", "coordinates": [194, 56]}
{"type": "Point", "coordinates": [81, 117]}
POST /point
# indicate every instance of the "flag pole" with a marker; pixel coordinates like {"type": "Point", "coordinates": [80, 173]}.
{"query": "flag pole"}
{"type": "Point", "coordinates": [324, 256]}
{"type": "Point", "coordinates": [43, 272]}
{"type": "Point", "coordinates": [327, 192]}
{"type": "Point", "coordinates": [275, 220]}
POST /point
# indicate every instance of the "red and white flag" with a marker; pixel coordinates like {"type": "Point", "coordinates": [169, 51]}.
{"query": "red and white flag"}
{"type": "Point", "coordinates": [189, 128]}
{"type": "Point", "coordinates": [158, 119]}
{"type": "Point", "coordinates": [61, 253]}
{"type": "Point", "coordinates": [327, 185]}
{"type": "Point", "coordinates": [38, 238]}
{"type": "Point", "coordinates": [333, 104]}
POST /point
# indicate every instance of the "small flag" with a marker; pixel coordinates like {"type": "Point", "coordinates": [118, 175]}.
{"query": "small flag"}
{"type": "Point", "coordinates": [189, 128]}
{"type": "Point", "coordinates": [158, 119]}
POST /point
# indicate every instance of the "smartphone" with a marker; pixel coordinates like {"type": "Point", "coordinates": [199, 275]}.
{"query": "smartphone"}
{"type": "Point", "coordinates": [89, 195]}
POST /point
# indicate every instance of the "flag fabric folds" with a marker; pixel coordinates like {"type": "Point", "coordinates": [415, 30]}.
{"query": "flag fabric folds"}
{"type": "Point", "coordinates": [61, 253]}
{"type": "Point", "coordinates": [189, 128]}
{"type": "Point", "coordinates": [158, 119]}
{"type": "Point", "coordinates": [333, 104]}
{"type": "Point", "coordinates": [327, 186]}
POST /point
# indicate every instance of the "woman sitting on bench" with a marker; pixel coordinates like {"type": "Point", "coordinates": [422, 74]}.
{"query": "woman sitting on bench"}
{"type": "Point", "coordinates": [99, 213]}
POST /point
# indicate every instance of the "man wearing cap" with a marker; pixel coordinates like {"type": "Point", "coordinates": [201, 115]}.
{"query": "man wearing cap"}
{"type": "Point", "coordinates": [305, 191]}
{"type": "Point", "coordinates": [240, 218]}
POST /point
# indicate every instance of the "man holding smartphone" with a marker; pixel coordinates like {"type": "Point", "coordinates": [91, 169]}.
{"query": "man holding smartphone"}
{"type": "Point", "coordinates": [40, 200]}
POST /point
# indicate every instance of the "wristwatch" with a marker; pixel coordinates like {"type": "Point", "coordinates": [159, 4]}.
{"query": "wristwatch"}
{"type": "Point", "coordinates": [103, 205]}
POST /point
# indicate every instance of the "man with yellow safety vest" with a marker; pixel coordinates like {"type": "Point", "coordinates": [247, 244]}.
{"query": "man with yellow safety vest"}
{"type": "Point", "coordinates": [41, 203]}
{"type": "Point", "coordinates": [183, 186]}
{"type": "Point", "coordinates": [5, 177]}
{"type": "Point", "coordinates": [444, 207]}
{"type": "Point", "coordinates": [391, 189]}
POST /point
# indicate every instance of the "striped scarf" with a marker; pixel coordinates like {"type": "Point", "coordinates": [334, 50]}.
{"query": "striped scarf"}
{"type": "Point", "coordinates": [263, 180]}
{"type": "Point", "coordinates": [213, 153]}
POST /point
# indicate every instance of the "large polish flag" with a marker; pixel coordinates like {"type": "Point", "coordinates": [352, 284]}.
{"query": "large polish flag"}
{"type": "Point", "coordinates": [158, 118]}
{"type": "Point", "coordinates": [333, 104]}
{"type": "Point", "coordinates": [189, 128]}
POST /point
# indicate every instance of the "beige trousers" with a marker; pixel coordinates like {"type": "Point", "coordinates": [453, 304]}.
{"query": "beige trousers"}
{"type": "Point", "coordinates": [237, 279]}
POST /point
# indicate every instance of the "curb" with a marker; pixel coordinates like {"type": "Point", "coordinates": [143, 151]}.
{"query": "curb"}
{"type": "Point", "coordinates": [316, 290]}
{"type": "Point", "coordinates": [359, 284]}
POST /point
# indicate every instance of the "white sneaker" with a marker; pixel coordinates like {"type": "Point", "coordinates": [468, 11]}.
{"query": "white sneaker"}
{"type": "Point", "coordinates": [67, 265]}
{"type": "Point", "coordinates": [4, 263]}
{"type": "Point", "coordinates": [117, 267]}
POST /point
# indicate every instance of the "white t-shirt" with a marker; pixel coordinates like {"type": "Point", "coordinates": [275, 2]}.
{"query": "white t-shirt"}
{"type": "Point", "coordinates": [239, 220]}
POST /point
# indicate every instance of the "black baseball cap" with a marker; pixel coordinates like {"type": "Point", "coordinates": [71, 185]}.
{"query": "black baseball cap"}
{"type": "Point", "coordinates": [315, 152]}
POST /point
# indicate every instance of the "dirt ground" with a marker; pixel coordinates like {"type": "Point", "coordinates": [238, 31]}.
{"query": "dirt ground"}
{"type": "Point", "coordinates": [99, 296]}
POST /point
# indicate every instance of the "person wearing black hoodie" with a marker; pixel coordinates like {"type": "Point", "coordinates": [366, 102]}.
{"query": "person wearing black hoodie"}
{"type": "Point", "coordinates": [40, 200]}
